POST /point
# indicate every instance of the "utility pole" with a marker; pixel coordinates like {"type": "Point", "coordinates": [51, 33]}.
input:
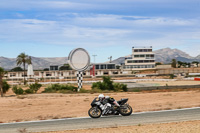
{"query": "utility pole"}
{"type": "Point", "coordinates": [110, 58]}
{"type": "Point", "coordinates": [94, 58]}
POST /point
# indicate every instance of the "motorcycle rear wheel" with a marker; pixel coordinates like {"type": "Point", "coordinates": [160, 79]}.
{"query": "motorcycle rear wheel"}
{"type": "Point", "coordinates": [94, 112]}
{"type": "Point", "coordinates": [125, 110]}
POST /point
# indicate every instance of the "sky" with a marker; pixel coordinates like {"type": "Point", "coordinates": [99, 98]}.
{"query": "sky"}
{"type": "Point", "coordinates": [52, 28]}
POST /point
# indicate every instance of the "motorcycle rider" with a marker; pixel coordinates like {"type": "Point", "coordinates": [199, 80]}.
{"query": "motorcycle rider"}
{"type": "Point", "coordinates": [107, 99]}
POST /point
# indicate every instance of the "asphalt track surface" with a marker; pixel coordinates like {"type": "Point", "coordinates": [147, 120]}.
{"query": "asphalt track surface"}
{"type": "Point", "coordinates": [86, 122]}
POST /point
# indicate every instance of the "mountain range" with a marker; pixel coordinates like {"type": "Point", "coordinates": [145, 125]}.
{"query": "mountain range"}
{"type": "Point", "coordinates": [164, 55]}
{"type": "Point", "coordinates": [38, 62]}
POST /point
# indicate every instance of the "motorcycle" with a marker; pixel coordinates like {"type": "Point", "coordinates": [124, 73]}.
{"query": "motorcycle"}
{"type": "Point", "coordinates": [105, 108]}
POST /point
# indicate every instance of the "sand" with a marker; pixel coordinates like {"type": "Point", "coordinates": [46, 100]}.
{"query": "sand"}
{"type": "Point", "coordinates": [171, 83]}
{"type": "Point", "coordinates": [53, 106]}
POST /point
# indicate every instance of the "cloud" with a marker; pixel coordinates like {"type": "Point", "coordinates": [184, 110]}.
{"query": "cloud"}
{"type": "Point", "coordinates": [183, 8]}
{"type": "Point", "coordinates": [102, 28]}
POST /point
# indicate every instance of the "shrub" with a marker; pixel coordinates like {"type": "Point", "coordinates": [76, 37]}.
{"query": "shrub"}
{"type": "Point", "coordinates": [60, 88]}
{"type": "Point", "coordinates": [20, 91]}
{"type": "Point", "coordinates": [14, 89]}
{"type": "Point", "coordinates": [5, 86]}
{"type": "Point", "coordinates": [49, 90]}
{"type": "Point", "coordinates": [17, 91]}
{"type": "Point", "coordinates": [34, 87]}
{"type": "Point", "coordinates": [120, 87]}
{"type": "Point", "coordinates": [98, 85]}
{"type": "Point", "coordinates": [108, 84]}
{"type": "Point", "coordinates": [29, 91]}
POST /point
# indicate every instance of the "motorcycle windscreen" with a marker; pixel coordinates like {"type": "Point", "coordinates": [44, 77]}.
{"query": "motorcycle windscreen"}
{"type": "Point", "coordinates": [94, 101]}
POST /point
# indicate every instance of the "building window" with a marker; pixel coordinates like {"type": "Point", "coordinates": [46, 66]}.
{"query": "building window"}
{"type": "Point", "coordinates": [105, 73]}
{"type": "Point", "coordinates": [97, 66]}
{"type": "Point", "coordinates": [115, 72]}
{"type": "Point", "coordinates": [136, 56]}
{"type": "Point", "coordinates": [48, 74]}
{"type": "Point", "coordinates": [12, 74]}
{"type": "Point", "coordinates": [110, 66]}
{"type": "Point", "coordinates": [103, 66]}
{"type": "Point", "coordinates": [141, 55]}
{"type": "Point", "coordinates": [53, 68]}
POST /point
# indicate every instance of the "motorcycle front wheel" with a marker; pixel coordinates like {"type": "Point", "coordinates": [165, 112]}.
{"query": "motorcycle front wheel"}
{"type": "Point", "coordinates": [94, 112]}
{"type": "Point", "coordinates": [125, 110]}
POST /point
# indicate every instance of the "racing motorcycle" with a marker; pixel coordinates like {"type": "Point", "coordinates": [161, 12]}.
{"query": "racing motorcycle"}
{"type": "Point", "coordinates": [105, 108]}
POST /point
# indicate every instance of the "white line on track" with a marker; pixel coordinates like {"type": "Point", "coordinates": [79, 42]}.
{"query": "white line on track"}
{"type": "Point", "coordinates": [89, 117]}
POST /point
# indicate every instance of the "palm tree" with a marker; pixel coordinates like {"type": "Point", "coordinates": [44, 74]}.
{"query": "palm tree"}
{"type": "Point", "coordinates": [29, 60]}
{"type": "Point", "coordinates": [22, 59]}
{"type": "Point", "coordinates": [2, 72]}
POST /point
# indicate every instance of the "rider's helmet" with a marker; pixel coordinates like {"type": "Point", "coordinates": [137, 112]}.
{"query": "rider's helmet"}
{"type": "Point", "coordinates": [101, 96]}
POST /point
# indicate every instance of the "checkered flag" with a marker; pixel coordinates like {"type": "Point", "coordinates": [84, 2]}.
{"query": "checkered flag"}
{"type": "Point", "coordinates": [79, 79]}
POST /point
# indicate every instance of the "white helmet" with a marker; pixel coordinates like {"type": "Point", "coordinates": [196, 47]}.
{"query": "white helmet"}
{"type": "Point", "coordinates": [101, 96]}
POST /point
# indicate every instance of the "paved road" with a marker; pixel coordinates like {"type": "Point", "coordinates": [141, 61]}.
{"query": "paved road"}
{"type": "Point", "coordinates": [80, 123]}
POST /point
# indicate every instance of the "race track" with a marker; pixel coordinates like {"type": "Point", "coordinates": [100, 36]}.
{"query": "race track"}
{"type": "Point", "coordinates": [82, 123]}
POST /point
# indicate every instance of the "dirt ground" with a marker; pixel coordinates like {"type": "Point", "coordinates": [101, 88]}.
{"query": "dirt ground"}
{"type": "Point", "coordinates": [171, 83]}
{"type": "Point", "coordinates": [53, 106]}
{"type": "Point", "coordinates": [175, 127]}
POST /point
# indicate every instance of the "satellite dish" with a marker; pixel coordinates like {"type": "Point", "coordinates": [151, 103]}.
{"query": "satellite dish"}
{"type": "Point", "coordinates": [79, 59]}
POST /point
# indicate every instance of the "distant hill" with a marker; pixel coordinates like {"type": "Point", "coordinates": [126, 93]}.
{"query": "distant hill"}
{"type": "Point", "coordinates": [38, 63]}
{"type": "Point", "coordinates": [164, 55]}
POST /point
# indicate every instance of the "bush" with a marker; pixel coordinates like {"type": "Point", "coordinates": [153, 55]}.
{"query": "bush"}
{"type": "Point", "coordinates": [17, 91]}
{"type": "Point", "coordinates": [34, 87]}
{"type": "Point", "coordinates": [29, 91]}
{"type": "Point", "coordinates": [5, 86]}
{"type": "Point", "coordinates": [60, 88]}
{"type": "Point", "coordinates": [20, 91]}
{"type": "Point", "coordinates": [120, 87]}
{"type": "Point", "coordinates": [49, 90]}
{"type": "Point", "coordinates": [108, 84]}
{"type": "Point", "coordinates": [14, 89]}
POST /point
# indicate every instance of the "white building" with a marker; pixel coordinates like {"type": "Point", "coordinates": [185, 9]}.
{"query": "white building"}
{"type": "Point", "coordinates": [141, 58]}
